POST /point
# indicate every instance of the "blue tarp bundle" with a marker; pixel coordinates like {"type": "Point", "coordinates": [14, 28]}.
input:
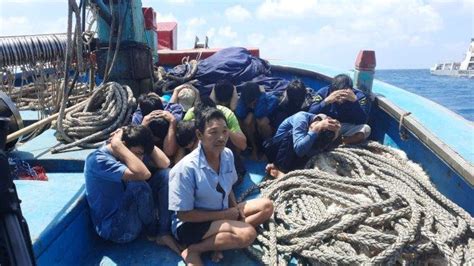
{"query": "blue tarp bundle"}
{"type": "Point", "coordinates": [237, 65]}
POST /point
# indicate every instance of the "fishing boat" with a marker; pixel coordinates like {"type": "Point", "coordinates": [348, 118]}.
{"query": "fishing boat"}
{"type": "Point", "coordinates": [57, 213]}
{"type": "Point", "coordinates": [456, 69]}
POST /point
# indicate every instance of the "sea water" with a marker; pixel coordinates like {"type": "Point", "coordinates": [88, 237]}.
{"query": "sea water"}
{"type": "Point", "coordinates": [456, 94]}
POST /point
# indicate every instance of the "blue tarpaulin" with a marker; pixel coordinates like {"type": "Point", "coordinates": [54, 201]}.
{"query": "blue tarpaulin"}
{"type": "Point", "coordinates": [236, 65]}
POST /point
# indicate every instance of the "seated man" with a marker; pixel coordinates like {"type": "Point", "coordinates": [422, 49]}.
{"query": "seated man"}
{"type": "Point", "coordinates": [297, 138]}
{"type": "Point", "coordinates": [185, 138]}
{"type": "Point", "coordinates": [207, 216]}
{"type": "Point", "coordinates": [150, 108]}
{"type": "Point", "coordinates": [121, 195]}
{"type": "Point", "coordinates": [224, 93]}
{"type": "Point", "coordinates": [253, 109]}
{"type": "Point", "coordinates": [346, 104]}
{"type": "Point", "coordinates": [238, 141]}
{"type": "Point", "coordinates": [295, 98]}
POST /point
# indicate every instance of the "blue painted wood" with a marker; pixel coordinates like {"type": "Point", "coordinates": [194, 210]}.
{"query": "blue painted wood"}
{"type": "Point", "coordinates": [37, 151]}
{"type": "Point", "coordinates": [133, 26]}
{"type": "Point", "coordinates": [29, 117]}
{"type": "Point", "coordinates": [448, 182]}
{"type": "Point", "coordinates": [63, 234]}
{"type": "Point", "coordinates": [58, 214]}
{"type": "Point", "coordinates": [49, 206]}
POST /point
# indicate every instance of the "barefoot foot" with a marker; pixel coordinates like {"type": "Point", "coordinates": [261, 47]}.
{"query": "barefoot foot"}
{"type": "Point", "coordinates": [191, 258]}
{"type": "Point", "coordinates": [170, 242]}
{"type": "Point", "coordinates": [273, 171]}
{"type": "Point", "coordinates": [217, 256]}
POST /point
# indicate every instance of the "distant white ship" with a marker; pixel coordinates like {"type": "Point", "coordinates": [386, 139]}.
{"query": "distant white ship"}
{"type": "Point", "coordinates": [463, 69]}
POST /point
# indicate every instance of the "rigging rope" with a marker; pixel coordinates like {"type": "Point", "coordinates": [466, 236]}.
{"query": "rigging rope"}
{"type": "Point", "coordinates": [109, 108]}
{"type": "Point", "coordinates": [362, 204]}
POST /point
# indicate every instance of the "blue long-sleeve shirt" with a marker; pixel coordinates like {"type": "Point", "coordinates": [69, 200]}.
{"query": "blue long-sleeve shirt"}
{"type": "Point", "coordinates": [348, 112]}
{"type": "Point", "coordinates": [298, 124]}
{"type": "Point", "coordinates": [266, 104]}
{"type": "Point", "coordinates": [174, 108]}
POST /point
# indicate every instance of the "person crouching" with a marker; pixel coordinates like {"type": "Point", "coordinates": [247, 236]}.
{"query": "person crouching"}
{"type": "Point", "coordinates": [122, 193]}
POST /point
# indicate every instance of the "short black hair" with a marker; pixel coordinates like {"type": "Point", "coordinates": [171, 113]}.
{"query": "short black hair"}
{"type": "Point", "coordinates": [159, 127]}
{"type": "Point", "coordinates": [149, 103]}
{"type": "Point", "coordinates": [340, 82]}
{"type": "Point", "coordinates": [185, 133]}
{"type": "Point", "coordinates": [202, 105]}
{"type": "Point", "coordinates": [223, 90]}
{"type": "Point", "coordinates": [207, 115]}
{"type": "Point", "coordinates": [296, 92]}
{"type": "Point", "coordinates": [206, 102]}
{"type": "Point", "coordinates": [138, 136]}
{"type": "Point", "coordinates": [249, 92]}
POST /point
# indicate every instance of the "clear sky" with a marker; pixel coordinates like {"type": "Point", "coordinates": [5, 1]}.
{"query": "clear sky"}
{"type": "Point", "coordinates": [404, 33]}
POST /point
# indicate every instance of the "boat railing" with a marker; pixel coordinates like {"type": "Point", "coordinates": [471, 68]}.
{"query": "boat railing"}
{"type": "Point", "coordinates": [430, 140]}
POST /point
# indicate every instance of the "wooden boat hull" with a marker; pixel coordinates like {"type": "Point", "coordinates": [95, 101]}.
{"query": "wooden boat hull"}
{"type": "Point", "coordinates": [58, 214]}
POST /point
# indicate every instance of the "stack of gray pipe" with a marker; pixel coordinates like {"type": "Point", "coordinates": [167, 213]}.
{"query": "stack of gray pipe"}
{"type": "Point", "coordinates": [22, 50]}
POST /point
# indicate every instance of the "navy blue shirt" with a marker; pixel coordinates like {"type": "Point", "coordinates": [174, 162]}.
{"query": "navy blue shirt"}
{"type": "Point", "coordinates": [298, 124]}
{"type": "Point", "coordinates": [104, 188]}
{"type": "Point", "coordinates": [266, 104]}
{"type": "Point", "coordinates": [174, 108]}
{"type": "Point", "coordinates": [348, 112]}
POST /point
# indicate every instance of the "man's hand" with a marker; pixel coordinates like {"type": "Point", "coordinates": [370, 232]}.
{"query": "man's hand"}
{"type": "Point", "coordinates": [233, 213]}
{"type": "Point", "coordinates": [150, 117]}
{"type": "Point", "coordinates": [241, 213]}
{"type": "Point", "coordinates": [116, 139]}
{"type": "Point", "coordinates": [325, 124]}
{"type": "Point", "coordinates": [167, 116]}
{"type": "Point", "coordinates": [335, 96]}
{"type": "Point", "coordinates": [347, 95]}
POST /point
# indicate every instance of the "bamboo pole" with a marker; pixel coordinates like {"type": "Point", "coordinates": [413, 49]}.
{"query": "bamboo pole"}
{"type": "Point", "coordinates": [40, 123]}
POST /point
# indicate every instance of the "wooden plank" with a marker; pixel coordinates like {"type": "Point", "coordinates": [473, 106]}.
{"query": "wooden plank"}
{"type": "Point", "coordinates": [441, 149]}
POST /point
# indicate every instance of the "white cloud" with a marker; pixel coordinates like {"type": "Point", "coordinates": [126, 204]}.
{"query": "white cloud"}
{"type": "Point", "coordinates": [227, 32]}
{"type": "Point", "coordinates": [211, 32]}
{"type": "Point", "coordinates": [14, 25]}
{"type": "Point", "coordinates": [192, 27]}
{"type": "Point", "coordinates": [165, 17]}
{"type": "Point", "coordinates": [255, 39]}
{"type": "Point", "coordinates": [412, 15]}
{"type": "Point", "coordinates": [56, 26]}
{"type": "Point", "coordinates": [237, 13]}
{"type": "Point", "coordinates": [32, 1]}
{"type": "Point", "coordinates": [196, 22]}
{"type": "Point", "coordinates": [285, 8]}
{"type": "Point", "coordinates": [22, 25]}
{"type": "Point", "coordinates": [376, 23]}
{"type": "Point", "coordinates": [179, 1]}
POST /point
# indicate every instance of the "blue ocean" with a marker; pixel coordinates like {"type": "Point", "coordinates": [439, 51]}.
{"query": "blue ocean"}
{"type": "Point", "coordinates": [456, 94]}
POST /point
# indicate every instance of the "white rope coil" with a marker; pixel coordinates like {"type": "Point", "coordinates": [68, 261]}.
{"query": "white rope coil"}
{"type": "Point", "coordinates": [109, 108]}
{"type": "Point", "coordinates": [362, 204]}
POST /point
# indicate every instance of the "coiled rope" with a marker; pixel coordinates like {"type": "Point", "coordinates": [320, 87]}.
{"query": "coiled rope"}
{"type": "Point", "coordinates": [90, 123]}
{"type": "Point", "coordinates": [362, 204]}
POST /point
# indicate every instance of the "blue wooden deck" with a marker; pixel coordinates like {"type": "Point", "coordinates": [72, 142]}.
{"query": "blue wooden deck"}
{"type": "Point", "coordinates": [58, 216]}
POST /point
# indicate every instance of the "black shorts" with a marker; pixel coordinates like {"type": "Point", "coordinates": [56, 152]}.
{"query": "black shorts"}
{"type": "Point", "coordinates": [192, 233]}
